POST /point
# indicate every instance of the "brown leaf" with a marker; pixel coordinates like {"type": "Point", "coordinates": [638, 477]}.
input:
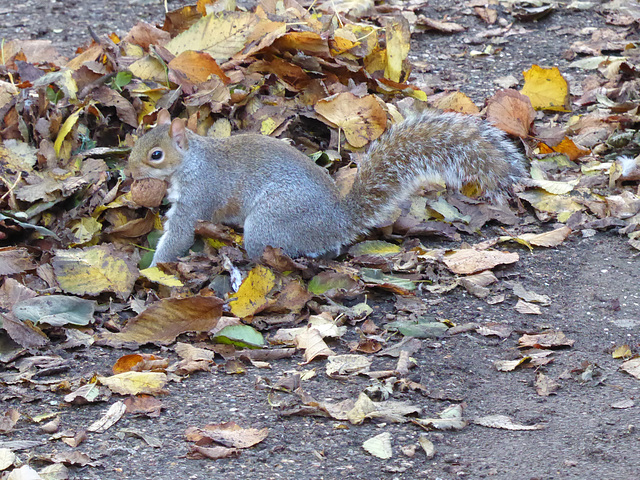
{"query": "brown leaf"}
{"type": "Point", "coordinates": [25, 333]}
{"type": "Point", "coordinates": [163, 321]}
{"type": "Point", "coordinates": [143, 404]}
{"type": "Point", "coordinates": [12, 292]}
{"type": "Point", "coordinates": [545, 340]}
{"type": "Point", "coordinates": [214, 453]}
{"type": "Point", "coordinates": [229, 434]}
{"type": "Point", "coordinates": [545, 386]}
{"type": "Point", "coordinates": [144, 34]}
{"type": "Point", "coordinates": [134, 228]}
{"type": "Point", "coordinates": [111, 98]}
{"type": "Point", "coordinates": [441, 26]}
{"type": "Point", "coordinates": [512, 112]}
{"type": "Point", "coordinates": [8, 420]}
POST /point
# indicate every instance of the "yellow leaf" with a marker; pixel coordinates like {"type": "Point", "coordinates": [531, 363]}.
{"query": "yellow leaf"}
{"type": "Point", "coordinates": [252, 294]}
{"type": "Point", "coordinates": [374, 247]}
{"type": "Point", "coordinates": [623, 351]}
{"type": "Point", "coordinates": [268, 126]}
{"type": "Point", "coordinates": [149, 68]}
{"type": "Point", "coordinates": [124, 200]}
{"type": "Point", "coordinates": [546, 88]}
{"type": "Point", "coordinates": [361, 118]}
{"type": "Point", "coordinates": [158, 276]}
{"type": "Point", "coordinates": [220, 35]}
{"type": "Point", "coordinates": [376, 61]}
{"type": "Point", "coordinates": [95, 270]}
{"type": "Point", "coordinates": [84, 230]}
{"type": "Point", "coordinates": [555, 187]}
{"type": "Point", "coordinates": [134, 383]}
{"type": "Point", "coordinates": [65, 129]}
{"type": "Point", "coordinates": [456, 102]}
{"type": "Point", "coordinates": [548, 202]}
{"type": "Point", "coordinates": [398, 35]}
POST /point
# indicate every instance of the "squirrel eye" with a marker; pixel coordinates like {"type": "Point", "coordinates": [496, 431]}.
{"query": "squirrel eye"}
{"type": "Point", "coordinates": [156, 155]}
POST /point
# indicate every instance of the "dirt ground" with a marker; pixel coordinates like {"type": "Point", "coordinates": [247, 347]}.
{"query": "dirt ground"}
{"type": "Point", "coordinates": [594, 301]}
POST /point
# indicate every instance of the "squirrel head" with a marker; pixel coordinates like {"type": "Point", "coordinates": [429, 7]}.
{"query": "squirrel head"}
{"type": "Point", "coordinates": [159, 152]}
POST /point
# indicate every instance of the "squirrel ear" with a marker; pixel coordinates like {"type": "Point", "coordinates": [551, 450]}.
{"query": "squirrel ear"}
{"type": "Point", "coordinates": [164, 117]}
{"type": "Point", "coordinates": [178, 131]}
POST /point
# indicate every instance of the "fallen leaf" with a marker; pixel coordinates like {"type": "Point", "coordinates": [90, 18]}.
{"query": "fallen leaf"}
{"type": "Point", "coordinates": [9, 420]}
{"type": "Point", "coordinates": [242, 336]}
{"type": "Point", "coordinates": [229, 434]}
{"type": "Point", "coordinates": [512, 112]}
{"type": "Point", "coordinates": [510, 365]}
{"type": "Point", "coordinates": [545, 386]}
{"type": "Point", "coordinates": [552, 238]}
{"type": "Point", "coordinates": [55, 310]}
{"type": "Point", "coordinates": [140, 362]}
{"type": "Point", "coordinates": [156, 275]}
{"type": "Point", "coordinates": [546, 88]}
{"type": "Point", "coordinates": [133, 383]}
{"type": "Point", "coordinates": [469, 260]}
{"type": "Point", "coordinates": [163, 321]}
{"type": "Point", "coordinates": [379, 446]}
{"type": "Point", "coordinates": [94, 270]}
{"type": "Point", "coordinates": [310, 340]}
{"type": "Point", "coordinates": [339, 365]}
{"type": "Point", "coordinates": [529, 296]}
{"type": "Point", "coordinates": [361, 118]}
{"type": "Point", "coordinates": [504, 422]}
{"type": "Point", "coordinates": [15, 260]}
{"type": "Point", "coordinates": [427, 446]}
{"type": "Point", "coordinates": [220, 35]}
{"type": "Point", "coordinates": [252, 296]}
{"type": "Point", "coordinates": [545, 340]}
{"type": "Point", "coordinates": [115, 413]}
{"type": "Point", "coordinates": [632, 367]}
{"type": "Point", "coordinates": [527, 308]}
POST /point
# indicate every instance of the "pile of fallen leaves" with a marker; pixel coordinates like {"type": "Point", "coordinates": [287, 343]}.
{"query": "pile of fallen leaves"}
{"type": "Point", "coordinates": [332, 77]}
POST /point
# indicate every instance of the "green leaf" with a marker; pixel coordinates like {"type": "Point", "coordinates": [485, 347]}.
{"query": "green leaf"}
{"type": "Point", "coordinates": [374, 275]}
{"type": "Point", "coordinates": [120, 80]}
{"type": "Point", "coordinates": [424, 327]}
{"type": "Point", "coordinates": [54, 96]}
{"type": "Point", "coordinates": [242, 336]}
{"type": "Point", "coordinates": [325, 281]}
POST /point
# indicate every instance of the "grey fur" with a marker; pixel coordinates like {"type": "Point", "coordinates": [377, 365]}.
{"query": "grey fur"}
{"type": "Point", "coordinates": [285, 200]}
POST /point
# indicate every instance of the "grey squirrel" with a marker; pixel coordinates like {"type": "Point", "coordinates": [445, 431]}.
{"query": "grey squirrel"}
{"type": "Point", "coordinates": [285, 200]}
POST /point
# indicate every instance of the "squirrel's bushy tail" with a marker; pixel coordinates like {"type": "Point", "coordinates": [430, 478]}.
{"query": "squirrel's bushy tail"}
{"type": "Point", "coordinates": [431, 147]}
